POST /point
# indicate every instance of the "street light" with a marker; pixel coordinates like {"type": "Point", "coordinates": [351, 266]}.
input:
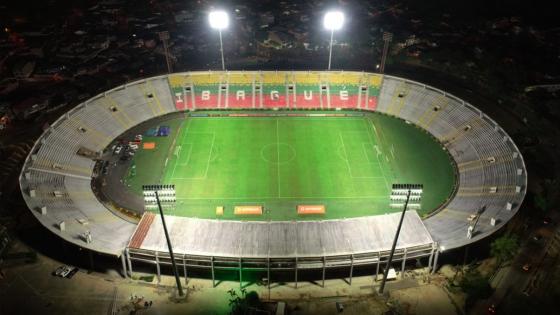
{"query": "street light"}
{"type": "Point", "coordinates": [333, 21]}
{"type": "Point", "coordinates": [219, 20]}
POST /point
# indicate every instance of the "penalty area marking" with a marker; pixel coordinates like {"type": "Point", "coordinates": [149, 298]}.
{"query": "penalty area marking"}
{"type": "Point", "coordinates": [188, 155]}
{"type": "Point", "coordinates": [180, 134]}
{"type": "Point", "coordinates": [210, 155]}
{"type": "Point", "coordinates": [366, 146]}
{"type": "Point", "coordinates": [188, 159]}
{"type": "Point", "coordinates": [377, 156]}
{"type": "Point", "coordinates": [177, 150]}
{"type": "Point", "coordinates": [367, 158]}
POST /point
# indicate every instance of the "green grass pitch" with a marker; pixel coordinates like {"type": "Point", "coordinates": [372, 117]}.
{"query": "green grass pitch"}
{"type": "Point", "coordinates": [345, 163]}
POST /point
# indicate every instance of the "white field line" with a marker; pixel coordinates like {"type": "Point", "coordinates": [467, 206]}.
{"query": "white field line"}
{"type": "Point", "coordinates": [278, 117]}
{"type": "Point", "coordinates": [377, 156]}
{"type": "Point", "coordinates": [278, 158]}
{"type": "Point", "coordinates": [353, 177]}
{"type": "Point", "coordinates": [189, 159]}
{"type": "Point", "coordinates": [364, 151]}
{"type": "Point", "coordinates": [173, 144]}
{"type": "Point", "coordinates": [188, 154]}
{"type": "Point", "coordinates": [174, 167]}
{"type": "Point", "coordinates": [347, 160]}
{"type": "Point", "coordinates": [364, 148]}
{"type": "Point", "coordinates": [374, 129]}
{"type": "Point", "coordinates": [283, 197]}
{"type": "Point", "coordinates": [210, 154]}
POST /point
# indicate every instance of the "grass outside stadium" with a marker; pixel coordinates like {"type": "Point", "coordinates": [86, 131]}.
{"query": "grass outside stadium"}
{"type": "Point", "coordinates": [345, 161]}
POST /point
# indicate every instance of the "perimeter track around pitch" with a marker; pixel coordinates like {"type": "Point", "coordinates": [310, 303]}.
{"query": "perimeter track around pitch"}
{"type": "Point", "coordinates": [345, 163]}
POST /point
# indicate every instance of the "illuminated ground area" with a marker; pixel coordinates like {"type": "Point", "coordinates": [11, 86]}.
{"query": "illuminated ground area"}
{"type": "Point", "coordinates": [345, 163]}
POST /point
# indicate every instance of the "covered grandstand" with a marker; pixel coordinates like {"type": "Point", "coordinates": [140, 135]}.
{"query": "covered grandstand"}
{"type": "Point", "coordinates": [56, 181]}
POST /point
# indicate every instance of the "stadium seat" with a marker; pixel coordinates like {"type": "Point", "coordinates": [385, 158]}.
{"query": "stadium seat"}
{"type": "Point", "coordinates": [58, 179]}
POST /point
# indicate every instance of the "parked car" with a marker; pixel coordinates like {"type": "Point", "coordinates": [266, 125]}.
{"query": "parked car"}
{"type": "Point", "coordinates": [72, 272]}
{"type": "Point", "coordinates": [65, 271]}
{"type": "Point", "coordinates": [118, 149]}
{"type": "Point", "coordinates": [58, 271]}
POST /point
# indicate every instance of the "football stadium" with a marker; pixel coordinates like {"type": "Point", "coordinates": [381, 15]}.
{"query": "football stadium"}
{"type": "Point", "coordinates": [273, 172]}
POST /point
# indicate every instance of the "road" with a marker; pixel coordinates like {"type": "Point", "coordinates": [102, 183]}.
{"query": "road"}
{"type": "Point", "coordinates": [538, 254]}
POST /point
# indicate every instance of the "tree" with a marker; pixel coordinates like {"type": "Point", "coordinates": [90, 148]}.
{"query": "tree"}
{"type": "Point", "coordinates": [541, 202]}
{"type": "Point", "coordinates": [475, 287]}
{"type": "Point", "coordinates": [504, 248]}
{"type": "Point", "coordinates": [240, 304]}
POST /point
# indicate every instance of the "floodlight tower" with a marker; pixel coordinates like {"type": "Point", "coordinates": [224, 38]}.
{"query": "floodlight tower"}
{"type": "Point", "coordinates": [333, 21]}
{"type": "Point", "coordinates": [164, 37]}
{"type": "Point", "coordinates": [159, 196]}
{"type": "Point", "coordinates": [219, 20]}
{"type": "Point", "coordinates": [387, 38]}
{"type": "Point", "coordinates": [408, 192]}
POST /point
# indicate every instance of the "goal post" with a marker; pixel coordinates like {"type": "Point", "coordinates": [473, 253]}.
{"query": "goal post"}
{"type": "Point", "coordinates": [177, 151]}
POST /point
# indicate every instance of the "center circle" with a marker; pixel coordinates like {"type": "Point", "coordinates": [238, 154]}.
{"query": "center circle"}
{"type": "Point", "coordinates": [278, 153]}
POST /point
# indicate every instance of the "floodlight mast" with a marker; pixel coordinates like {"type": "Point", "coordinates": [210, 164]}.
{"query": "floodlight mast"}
{"type": "Point", "coordinates": [148, 189]}
{"type": "Point", "coordinates": [222, 51]}
{"type": "Point", "coordinates": [387, 38]}
{"type": "Point", "coordinates": [390, 260]}
{"type": "Point", "coordinates": [333, 21]}
{"type": "Point", "coordinates": [175, 272]}
{"type": "Point", "coordinates": [330, 49]}
{"type": "Point", "coordinates": [219, 20]}
{"type": "Point", "coordinates": [164, 37]}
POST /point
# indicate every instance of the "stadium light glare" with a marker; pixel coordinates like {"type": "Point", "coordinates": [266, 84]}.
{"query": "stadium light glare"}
{"type": "Point", "coordinates": [333, 21]}
{"type": "Point", "coordinates": [219, 20]}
